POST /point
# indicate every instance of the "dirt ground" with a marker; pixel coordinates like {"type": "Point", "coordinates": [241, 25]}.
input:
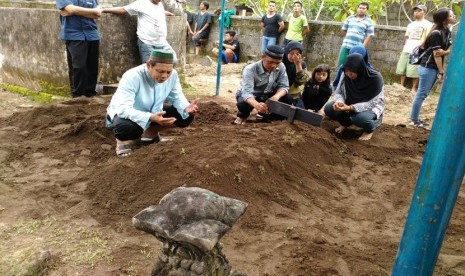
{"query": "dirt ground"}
{"type": "Point", "coordinates": [319, 203]}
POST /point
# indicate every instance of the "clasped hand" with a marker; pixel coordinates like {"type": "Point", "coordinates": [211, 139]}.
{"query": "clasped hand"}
{"type": "Point", "coordinates": [261, 108]}
{"type": "Point", "coordinates": [340, 106]}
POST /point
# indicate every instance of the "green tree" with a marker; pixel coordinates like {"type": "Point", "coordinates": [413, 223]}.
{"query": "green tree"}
{"type": "Point", "coordinates": [337, 10]}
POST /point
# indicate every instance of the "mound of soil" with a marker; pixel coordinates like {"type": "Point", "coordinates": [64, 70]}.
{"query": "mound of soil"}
{"type": "Point", "coordinates": [319, 203]}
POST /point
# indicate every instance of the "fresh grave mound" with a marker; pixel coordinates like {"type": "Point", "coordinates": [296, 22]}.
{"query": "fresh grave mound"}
{"type": "Point", "coordinates": [251, 163]}
{"type": "Point", "coordinates": [315, 200]}
{"type": "Point", "coordinates": [319, 204]}
{"type": "Point", "coordinates": [81, 123]}
{"type": "Point", "coordinates": [212, 113]}
{"type": "Point", "coordinates": [77, 124]}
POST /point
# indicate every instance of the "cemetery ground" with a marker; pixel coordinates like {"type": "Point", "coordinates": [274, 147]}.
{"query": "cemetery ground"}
{"type": "Point", "coordinates": [319, 203]}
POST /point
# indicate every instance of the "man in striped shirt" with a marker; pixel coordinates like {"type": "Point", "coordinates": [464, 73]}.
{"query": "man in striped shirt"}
{"type": "Point", "coordinates": [358, 30]}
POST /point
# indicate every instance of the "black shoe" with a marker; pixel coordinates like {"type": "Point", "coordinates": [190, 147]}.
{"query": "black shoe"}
{"type": "Point", "coordinates": [91, 94]}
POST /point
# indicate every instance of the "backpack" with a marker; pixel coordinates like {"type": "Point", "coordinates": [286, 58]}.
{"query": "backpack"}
{"type": "Point", "coordinates": [417, 54]}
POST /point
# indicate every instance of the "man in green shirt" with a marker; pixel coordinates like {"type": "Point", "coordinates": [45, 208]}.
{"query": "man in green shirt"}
{"type": "Point", "coordinates": [298, 25]}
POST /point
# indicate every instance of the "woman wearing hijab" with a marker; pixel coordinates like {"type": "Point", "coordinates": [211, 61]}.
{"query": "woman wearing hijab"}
{"type": "Point", "coordinates": [296, 70]}
{"type": "Point", "coordinates": [356, 49]}
{"type": "Point", "coordinates": [359, 97]}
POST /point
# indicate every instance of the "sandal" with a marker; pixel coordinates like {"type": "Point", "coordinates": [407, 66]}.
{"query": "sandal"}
{"type": "Point", "coordinates": [239, 121]}
{"type": "Point", "coordinates": [148, 141]}
{"type": "Point", "coordinates": [123, 150]}
{"type": "Point", "coordinates": [150, 136]}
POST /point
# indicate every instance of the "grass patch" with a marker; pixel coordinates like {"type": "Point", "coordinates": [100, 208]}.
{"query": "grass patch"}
{"type": "Point", "coordinates": [84, 247]}
{"type": "Point", "coordinates": [48, 88]}
{"type": "Point", "coordinates": [147, 251]}
{"type": "Point", "coordinates": [73, 245]}
{"type": "Point", "coordinates": [91, 248]}
{"type": "Point", "coordinates": [41, 97]}
{"type": "Point", "coordinates": [28, 227]}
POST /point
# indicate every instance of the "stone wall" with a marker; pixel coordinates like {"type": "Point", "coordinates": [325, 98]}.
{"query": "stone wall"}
{"type": "Point", "coordinates": [31, 51]}
{"type": "Point", "coordinates": [322, 44]}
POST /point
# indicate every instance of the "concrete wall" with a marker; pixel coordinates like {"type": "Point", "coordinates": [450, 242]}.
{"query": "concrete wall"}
{"type": "Point", "coordinates": [325, 39]}
{"type": "Point", "coordinates": [322, 44]}
{"type": "Point", "coordinates": [31, 51]}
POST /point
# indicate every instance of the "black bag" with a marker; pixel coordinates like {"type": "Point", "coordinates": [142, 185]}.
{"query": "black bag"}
{"type": "Point", "coordinates": [417, 54]}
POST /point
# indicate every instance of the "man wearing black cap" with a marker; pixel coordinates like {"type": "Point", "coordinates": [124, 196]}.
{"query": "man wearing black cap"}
{"type": "Point", "coordinates": [136, 109]}
{"type": "Point", "coordinates": [263, 80]}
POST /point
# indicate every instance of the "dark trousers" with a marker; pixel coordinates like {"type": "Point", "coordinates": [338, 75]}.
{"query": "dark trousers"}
{"type": "Point", "coordinates": [198, 37]}
{"type": "Point", "coordinates": [314, 99]}
{"type": "Point", "coordinates": [82, 66]}
{"type": "Point", "coordinates": [125, 129]}
{"type": "Point", "coordinates": [364, 119]}
{"type": "Point", "coordinates": [244, 109]}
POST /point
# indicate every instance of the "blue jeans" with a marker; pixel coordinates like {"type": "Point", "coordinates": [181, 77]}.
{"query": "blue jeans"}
{"type": "Point", "coordinates": [267, 41]}
{"type": "Point", "coordinates": [365, 119]}
{"type": "Point", "coordinates": [145, 50]}
{"type": "Point", "coordinates": [427, 77]}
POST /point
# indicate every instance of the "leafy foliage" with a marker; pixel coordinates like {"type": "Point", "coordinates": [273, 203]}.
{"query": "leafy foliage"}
{"type": "Point", "coordinates": [339, 10]}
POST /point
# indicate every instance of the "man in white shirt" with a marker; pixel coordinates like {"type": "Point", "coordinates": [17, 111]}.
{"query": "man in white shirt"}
{"type": "Point", "coordinates": [151, 24]}
{"type": "Point", "coordinates": [415, 35]}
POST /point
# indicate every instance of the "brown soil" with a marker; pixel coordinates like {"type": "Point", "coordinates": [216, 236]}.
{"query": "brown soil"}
{"type": "Point", "coordinates": [319, 203]}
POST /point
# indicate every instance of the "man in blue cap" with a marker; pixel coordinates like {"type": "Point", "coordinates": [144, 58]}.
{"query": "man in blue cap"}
{"type": "Point", "coordinates": [136, 109]}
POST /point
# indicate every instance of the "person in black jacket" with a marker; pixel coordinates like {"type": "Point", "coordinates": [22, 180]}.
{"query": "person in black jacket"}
{"type": "Point", "coordinates": [318, 89]}
{"type": "Point", "coordinates": [431, 68]}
